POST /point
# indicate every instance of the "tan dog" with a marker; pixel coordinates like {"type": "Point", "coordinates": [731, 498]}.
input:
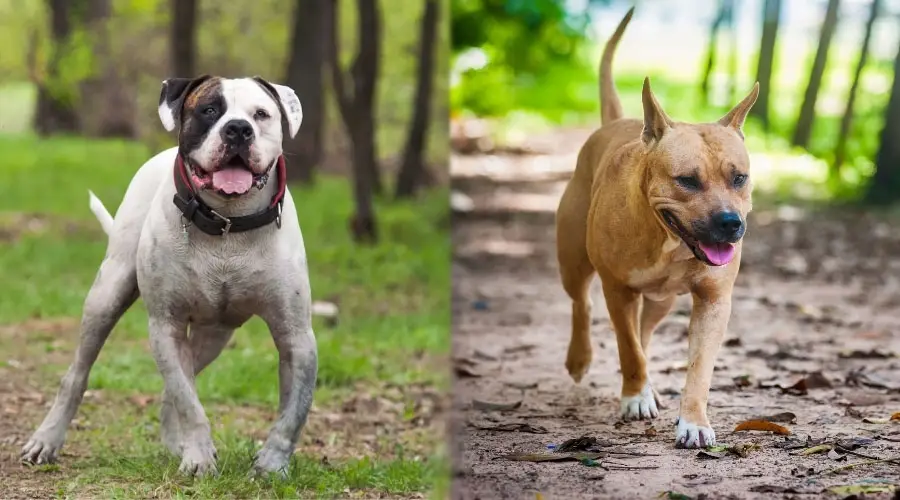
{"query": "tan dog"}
{"type": "Point", "coordinates": [657, 209]}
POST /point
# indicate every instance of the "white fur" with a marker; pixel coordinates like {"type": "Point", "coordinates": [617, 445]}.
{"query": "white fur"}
{"type": "Point", "coordinates": [210, 284]}
{"type": "Point", "coordinates": [642, 406]}
{"type": "Point", "coordinates": [292, 107]}
{"type": "Point", "coordinates": [687, 435]}
{"type": "Point", "coordinates": [100, 211]}
{"type": "Point", "coordinates": [166, 116]}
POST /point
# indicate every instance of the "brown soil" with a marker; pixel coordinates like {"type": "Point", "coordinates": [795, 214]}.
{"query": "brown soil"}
{"type": "Point", "coordinates": [818, 292]}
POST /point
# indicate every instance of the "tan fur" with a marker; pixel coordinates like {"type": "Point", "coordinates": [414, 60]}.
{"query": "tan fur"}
{"type": "Point", "coordinates": [609, 222]}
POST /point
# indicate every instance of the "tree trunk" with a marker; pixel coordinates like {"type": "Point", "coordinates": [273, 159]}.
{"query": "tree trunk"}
{"type": "Point", "coordinates": [357, 106]}
{"type": "Point", "coordinates": [183, 45]}
{"type": "Point", "coordinates": [304, 75]}
{"type": "Point", "coordinates": [55, 107]}
{"type": "Point", "coordinates": [711, 50]}
{"type": "Point", "coordinates": [840, 150]}
{"type": "Point", "coordinates": [803, 130]}
{"type": "Point", "coordinates": [413, 166]}
{"type": "Point", "coordinates": [771, 19]}
{"type": "Point", "coordinates": [734, 55]}
{"type": "Point", "coordinates": [107, 107]}
{"type": "Point", "coordinates": [884, 187]}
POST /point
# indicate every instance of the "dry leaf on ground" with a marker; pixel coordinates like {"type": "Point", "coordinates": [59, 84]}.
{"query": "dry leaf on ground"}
{"type": "Point", "coordinates": [762, 425]}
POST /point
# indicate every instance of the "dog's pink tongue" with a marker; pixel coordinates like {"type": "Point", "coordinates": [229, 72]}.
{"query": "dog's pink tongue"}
{"type": "Point", "coordinates": [232, 180]}
{"type": "Point", "coordinates": [718, 253]}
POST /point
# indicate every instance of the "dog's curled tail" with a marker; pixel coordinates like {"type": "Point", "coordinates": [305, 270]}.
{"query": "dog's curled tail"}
{"type": "Point", "coordinates": [610, 106]}
{"type": "Point", "coordinates": [102, 214]}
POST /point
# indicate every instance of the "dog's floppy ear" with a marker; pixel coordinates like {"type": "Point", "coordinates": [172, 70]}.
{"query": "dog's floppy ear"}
{"type": "Point", "coordinates": [287, 101]}
{"type": "Point", "coordinates": [171, 98]}
{"type": "Point", "coordinates": [656, 122]}
{"type": "Point", "coordinates": [735, 118]}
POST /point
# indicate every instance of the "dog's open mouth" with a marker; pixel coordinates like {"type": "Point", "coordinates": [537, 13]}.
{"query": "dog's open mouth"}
{"type": "Point", "coordinates": [233, 178]}
{"type": "Point", "coordinates": [711, 254]}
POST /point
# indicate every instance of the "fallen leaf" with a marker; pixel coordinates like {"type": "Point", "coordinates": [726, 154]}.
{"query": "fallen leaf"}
{"type": "Point", "coordinates": [784, 418]}
{"type": "Point", "coordinates": [742, 381]}
{"type": "Point", "coordinates": [590, 462]}
{"type": "Point", "coordinates": [717, 449]}
{"type": "Point", "coordinates": [870, 354]}
{"type": "Point", "coordinates": [466, 372]}
{"type": "Point", "coordinates": [522, 386]}
{"type": "Point", "coordinates": [896, 416]}
{"type": "Point", "coordinates": [834, 455]}
{"type": "Point", "coordinates": [854, 443]}
{"type": "Point", "coordinates": [515, 427]}
{"type": "Point", "coordinates": [875, 420]}
{"type": "Point", "coordinates": [857, 489]}
{"type": "Point", "coordinates": [583, 443]}
{"type": "Point", "coordinates": [814, 380]}
{"type": "Point", "coordinates": [651, 432]}
{"type": "Point", "coordinates": [709, 455]}
{"type": "Point", "coordinates": [743, 449]}
{"type": "Point", "coordinates": [762, 425]}
{"type": "Point", "coordinates": [822, 448]}
{"type": "Point", "coordinates": [489, 406]}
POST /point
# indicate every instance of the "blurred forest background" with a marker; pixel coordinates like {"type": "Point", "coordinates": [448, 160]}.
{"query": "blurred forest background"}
{"type": "Point", "coordinates": [79, 88]}
{"type": "Point", "coordinates": [829, 97]}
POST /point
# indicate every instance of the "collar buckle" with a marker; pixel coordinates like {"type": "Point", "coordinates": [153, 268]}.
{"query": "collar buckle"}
{"type": "Point", "coordinates": [224, 219]}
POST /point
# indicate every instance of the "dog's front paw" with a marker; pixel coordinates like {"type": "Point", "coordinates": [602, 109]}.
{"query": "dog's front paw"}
{"type": "Point", "coordinates": [642, 406]}
{"type": "Point", "coordinates": [689, 435]}
{"type": "Point", "coordinates": [198, 458]}
{"type": "Point", "coordinates": [578, 362]}
{"type": "Point", "coordinates": [43, 447]}
{"type": "Point", "coordinates": [269, 461]}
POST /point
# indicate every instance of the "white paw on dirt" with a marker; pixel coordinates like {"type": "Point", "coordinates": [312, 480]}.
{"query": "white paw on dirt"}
{"type": "Point", "coordinates": [640, 407]}
{"type": "Point", "coordinates": [689, 435]}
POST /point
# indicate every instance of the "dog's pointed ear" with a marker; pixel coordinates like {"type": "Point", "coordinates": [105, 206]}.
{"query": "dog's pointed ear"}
{"type": "Point", "coordinates": [287, 101]}
{"type": "Point", "coordinates": [735, 118]}
{"type": "Point", "coordinates": [171, 98]}
{"type": "Point", "coordinates": [656, 122]}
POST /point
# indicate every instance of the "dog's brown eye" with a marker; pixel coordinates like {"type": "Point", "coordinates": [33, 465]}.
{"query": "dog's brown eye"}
{"type": "Point", "coordinates": [739, 180]}
{"type": "Point", "coordinates": [688, 182]}
{"type": "Point", "coordinates": [261, 114]}
{"type": "Point", "coordinates": [209, 111]}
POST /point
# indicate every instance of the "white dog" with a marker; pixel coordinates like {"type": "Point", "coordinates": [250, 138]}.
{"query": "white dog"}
{"type": "Point", "coordinates": [208, 234]}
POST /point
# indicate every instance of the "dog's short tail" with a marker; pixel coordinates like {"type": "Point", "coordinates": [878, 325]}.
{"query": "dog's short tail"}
{"type": "Point", "coordinates": [610, 106]}
{"type": "Point", "coordinates": [102, 214]}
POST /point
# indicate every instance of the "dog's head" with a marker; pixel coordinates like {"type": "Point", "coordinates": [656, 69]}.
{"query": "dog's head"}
{"type": "Point", "coordinates": [229, 130]}
{"type": "Point", "coordinates": [698, 180]}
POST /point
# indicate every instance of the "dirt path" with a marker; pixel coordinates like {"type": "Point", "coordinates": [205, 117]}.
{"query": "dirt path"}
{"type": "Point", "coordinates": [818, 294]}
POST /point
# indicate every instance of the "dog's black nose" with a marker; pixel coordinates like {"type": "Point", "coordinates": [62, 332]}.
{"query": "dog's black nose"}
{"type": "Point", "coordinates": [237, 132]}
{"type": "Point", "coordinates": [729, 225]}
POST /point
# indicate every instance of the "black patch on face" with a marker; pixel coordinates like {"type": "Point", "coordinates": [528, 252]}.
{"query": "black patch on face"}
{"type": "Point", "coordinates": [201, 110]}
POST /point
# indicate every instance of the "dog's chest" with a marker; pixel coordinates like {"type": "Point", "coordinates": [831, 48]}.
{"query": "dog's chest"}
{"type": "Point", "coordinates": [665, 278]}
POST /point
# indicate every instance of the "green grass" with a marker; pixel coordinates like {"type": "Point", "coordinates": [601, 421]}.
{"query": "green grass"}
{"type": "Point", "coordinates": [393, 326]}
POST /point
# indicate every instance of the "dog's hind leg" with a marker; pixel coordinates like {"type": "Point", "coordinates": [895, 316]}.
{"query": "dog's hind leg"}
{"type": "Point", "coordinates": [576, 273]}
{"type": "Point", "coordinates": [113, 292]}
{"type": "Point", "coordinates": [203, 346]}
{"type": "Point", "coordinates": [652, 313]}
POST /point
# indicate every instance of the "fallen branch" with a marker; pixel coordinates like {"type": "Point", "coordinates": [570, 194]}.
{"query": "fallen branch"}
{"type": "Point", "coordinates": [859, 464]}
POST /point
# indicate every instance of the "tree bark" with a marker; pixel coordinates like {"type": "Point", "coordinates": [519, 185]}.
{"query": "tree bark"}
{"type": "Point", "coordinates": [107, 107]}
{"type": "Point", "coordinates": [771, 19]}
{"type": "Point", "coordinates": [55, 107]}
{"type": "Point", "coordinates": [304, 75]}
{"type": "Point", "coordinates": [413, 167]}
{"type": "Point", "coordinates": [183, 45]}
{"type": "Point", "coordinates": [840, 150]}
{"type": "Point", "coordinates": [711, 51]}
{"type": "Point", "coordinates": [884, 187]}
{"type": "Point", "coordinates": [803, 130]}
{"type": "Point", "coordinates": [356, 103]}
